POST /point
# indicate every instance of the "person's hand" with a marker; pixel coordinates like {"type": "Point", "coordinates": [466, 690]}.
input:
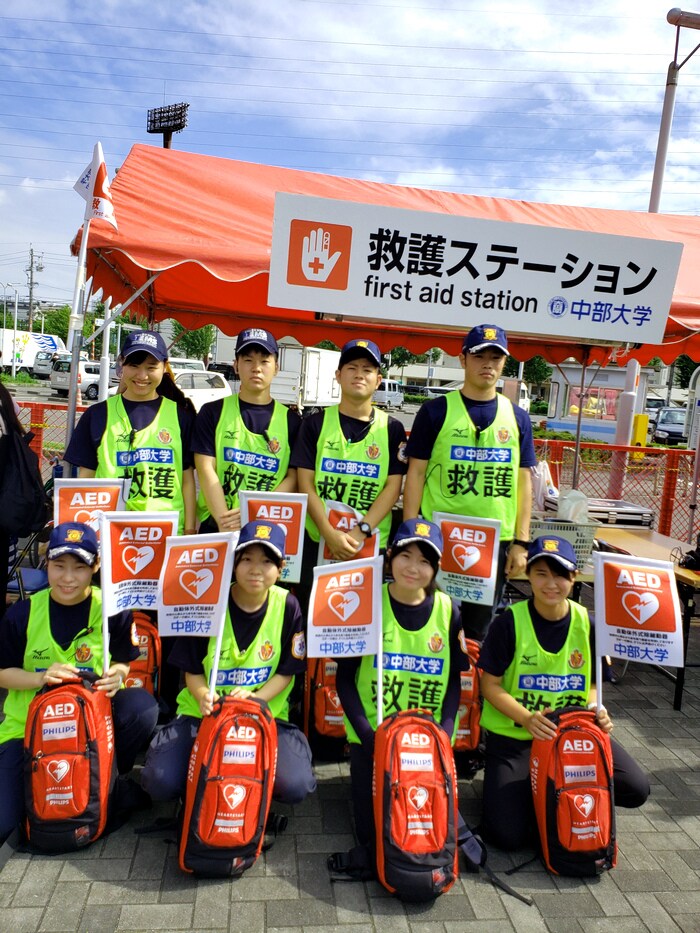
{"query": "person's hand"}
{"type": "Point", "coordinates": [342, 544]}
{"type": "Point", "coordinates": [241, 693]}
{"type": "Point", "coordinates": [316, 261]}
{"type": "Point", "coordinates": [58, 672]}
{"type": "Point", "coordinates": [603, 720]}
{"type": "Point", "coordinates": [111, 681]}
{"type": "Point", "coordinates": [229, 520]}
{"type": "Point", "coordinates": [539, 726]}
{"type": "Point", "coordinates": [207, 702]}
{"type": "Point", "coordinates": [516, 560]}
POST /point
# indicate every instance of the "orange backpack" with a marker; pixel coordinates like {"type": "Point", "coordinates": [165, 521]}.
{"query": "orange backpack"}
{"type": "Point", "coordinates": [323, 714]}
{"type": "Point", "coordinates": [145, 670]}
{"type": "Point", "coordinates": [414, 786]}
{"type": "Point", "coordinates": [572, 789]}
{"type": "Point", "coordinates": [229, 789]}
{"type": "Point", "coordinates": [469, 713]}
{"type": "Point", "coordinates": [69, 765]}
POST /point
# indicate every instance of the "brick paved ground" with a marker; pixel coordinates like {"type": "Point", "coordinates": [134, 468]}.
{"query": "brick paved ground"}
{"type": "Point", "coordinates": [132, 883]}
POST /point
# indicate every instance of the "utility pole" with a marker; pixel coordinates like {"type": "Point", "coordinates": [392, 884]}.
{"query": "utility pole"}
{"type": "Point", "coordinates": [36, 264]}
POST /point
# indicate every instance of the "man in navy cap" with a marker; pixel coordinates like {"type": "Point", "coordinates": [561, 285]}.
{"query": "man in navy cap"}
{"type": "Point", "coordinates": [352, 453]}
{"type": "Point", "coordinates": [470, 454]}
{"type": "Point", "coordinates": [244, 441]}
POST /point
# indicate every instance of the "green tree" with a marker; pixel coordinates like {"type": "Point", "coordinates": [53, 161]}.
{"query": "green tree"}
{"type": "Point", "coordinates": [193, 343]}
{"type": "Point", "coordinates": [537, 371]}
{"type": "Point", "coordinates": [684, 368]}
{"type": "Point", "coordinates": [56, 321]}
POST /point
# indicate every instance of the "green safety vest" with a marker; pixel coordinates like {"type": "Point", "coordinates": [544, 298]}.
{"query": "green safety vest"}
{"type": "Point", "coordinates": [353, 473]}
{"type": "Point", "coordinates": [151, 458]}
{"type": "Point", "coordinates": [251, 668]}
{"type": "Point", "coordinates": [245, 460]}
{"type": "Point", "coordinates": [416, 664]}
{"type": "Point", "coordinates": [538, 679]}
{"type": "Point", "coordinates": [476, 477]}
{"type": "Point", "coordinates": [41, 651]}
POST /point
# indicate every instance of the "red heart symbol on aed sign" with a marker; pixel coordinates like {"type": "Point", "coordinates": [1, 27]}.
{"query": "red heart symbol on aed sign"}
{"type": "Point", "coordinates": [196, 582]}
{"type": "Point", "coordinates": [136, 558]}
{"type": "Point", "coordinates": [466, 555]}
{"type": "Point", "coordinates": [344, 604]}
{"type": "Point", "coordinates": [584, 803]}
{"type": "Point", "coordinates": [233, 795]}
{"type": "Point", "coordinates": [641, 606]}
{"type": "Point", "coordinates": [418, 796]}
{"type": "Point", "coordinates": [58, 769]}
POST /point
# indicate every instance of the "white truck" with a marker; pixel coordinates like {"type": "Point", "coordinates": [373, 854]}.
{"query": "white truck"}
{"type": "Point", "coordinates": [25, 346]}
{"type": "Point", "coordinates": [306, 377]}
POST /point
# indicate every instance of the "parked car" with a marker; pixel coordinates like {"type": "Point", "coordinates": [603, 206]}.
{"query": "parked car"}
{"type": "Point", "coordinates": [670, 426]}
{"type": "Point", "coordinates": [88, 377]}
{"type": "Point", "coordinates": [44, 360]}
{"type": "Point", "coordinates": [178, 363]}
{"type": "Point", "coordinates": [389, 394]}
{"type": "Point", "coordinates": [202, 387]}
{"type": "Point", "coordinates": [226, 370]}
{"type": "Point", "coordinates": [652, 407]}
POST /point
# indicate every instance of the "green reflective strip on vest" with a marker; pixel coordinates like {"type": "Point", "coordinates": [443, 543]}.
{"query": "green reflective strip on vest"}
{"type": "Point", "coordinates": [475, 477]}
{"type": "Point", "coordinates": [245, 460]}
{"type": "Point", "coordinates": [251, 668]}
{"type": "Point", "coordinates": [152, 459]}
{"type": "Point", "coordinates": [352, 473]}
{"type": "Point", "coordinates": [42, 651]}
{"type": "Point", "coordinates": [539, 679]}
{"type": "Point", "coordinates": [416, 664]}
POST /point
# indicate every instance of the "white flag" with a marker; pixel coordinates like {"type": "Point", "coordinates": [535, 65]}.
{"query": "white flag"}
{"type": "Point", "coordinates": [93, 187]}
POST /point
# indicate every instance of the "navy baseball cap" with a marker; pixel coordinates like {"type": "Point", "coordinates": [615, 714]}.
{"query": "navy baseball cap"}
{"type": "Point", "coordinates": [418, 531]}
{"type": "Point", "coordinates": [268, 534]}
{"type": "Point", "coordinates": [354, 349]}
{"type": "Point", "coordinates": [257, 337]}
{"type": "Point", "coordinates": [558, 549]}
{"type": "Point", "coordinates": [74, 538]}
{"type": "Point", "coordinates": [483, 336]}
{"type": "Point", "coordinates": [145, 341]}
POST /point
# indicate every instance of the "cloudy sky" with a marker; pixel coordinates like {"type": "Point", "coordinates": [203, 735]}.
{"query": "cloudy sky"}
{"type": "Point", "coordinates": [511, 99]}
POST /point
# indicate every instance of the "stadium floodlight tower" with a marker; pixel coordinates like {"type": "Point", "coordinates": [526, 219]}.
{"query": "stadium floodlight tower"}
{"type": "Point", "coordinates": [167, 120]}
{"type": "Point", "coordinates": [679, 19]}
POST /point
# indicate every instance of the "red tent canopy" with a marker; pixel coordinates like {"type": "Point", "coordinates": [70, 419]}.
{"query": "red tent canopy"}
{"type": "Point", "coordinates": [205, 224]}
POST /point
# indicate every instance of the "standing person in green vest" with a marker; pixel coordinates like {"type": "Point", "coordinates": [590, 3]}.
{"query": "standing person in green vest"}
{"type": "Point", "coordinates": [470, 454]}
{"type": "Point", "coordinates": [352, 453]}
{"type": "Point", "coordinates": [244, 441]}
{"type": "Point", "coordinates": [141, 434]}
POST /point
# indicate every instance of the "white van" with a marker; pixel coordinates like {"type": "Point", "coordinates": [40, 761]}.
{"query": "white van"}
{"type": "Point", "coordinates": [178, 363]}
{"type": "Point", "coordinates": [389, 394]}
{"type": "Point", "coordinates": [88, 377]}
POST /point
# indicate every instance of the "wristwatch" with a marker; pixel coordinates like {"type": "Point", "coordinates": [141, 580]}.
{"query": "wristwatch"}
{"type": "Point", "coordinates": [520, 543]}
{"type": "Point", "coordinates": [365, 528]}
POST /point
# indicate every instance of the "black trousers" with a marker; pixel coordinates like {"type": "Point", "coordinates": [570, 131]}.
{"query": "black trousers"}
{"type": "Point", "coordinates": [508, 815]}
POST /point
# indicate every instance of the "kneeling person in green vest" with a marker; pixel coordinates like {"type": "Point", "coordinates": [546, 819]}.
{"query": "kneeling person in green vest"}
{"type": "Point", "coordinates": [424, 652]}
{"type": "Point", "coordinates": [351, 453]}
{"type": "Point", "coordinates": [538, 655]}
{"type": "Point", "coordinates": [54, 635]}
{"type": "Point", "coordinates": [244, 441]}
{"type": "Point", "coordinates": [262, 650]}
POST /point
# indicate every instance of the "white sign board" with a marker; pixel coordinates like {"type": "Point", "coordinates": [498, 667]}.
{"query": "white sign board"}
{"type": "Point", "coordinates": [470, 557]}
{"type": "Point", "coordinates": [388, 263]}
{"type": "Point", "coordinates": [637, 610]}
